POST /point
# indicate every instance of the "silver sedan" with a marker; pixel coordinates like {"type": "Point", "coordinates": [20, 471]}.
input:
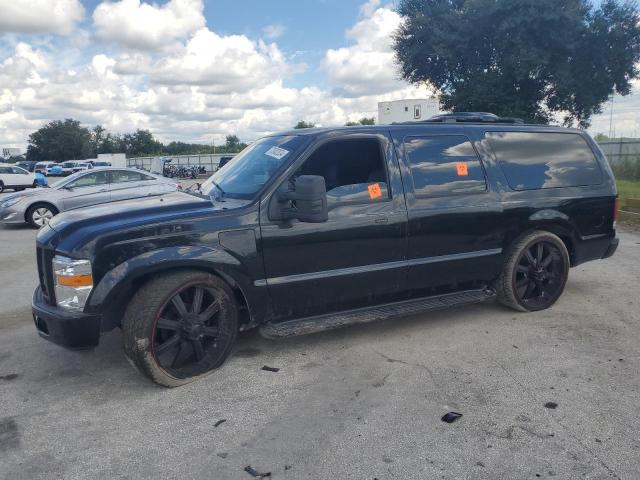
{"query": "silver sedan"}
{"type": "Point", "coordinates": [81, 189]}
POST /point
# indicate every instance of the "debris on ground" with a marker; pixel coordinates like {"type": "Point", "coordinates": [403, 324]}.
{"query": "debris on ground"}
{"type": "Point", "coordinates": [8, 378]}
{"type": "Point", "coordinates": [254, 473]}
{"type": "Point", "coordinates": [270, 369]}
{"type": "Point", "coordinates": [222, 454]}
{"type": "Point", "coordinates": [551, 405]}
{"type": "Point", "coordinates": [451, 417]}
{"type": "Point", "coordinates": [219, 422]}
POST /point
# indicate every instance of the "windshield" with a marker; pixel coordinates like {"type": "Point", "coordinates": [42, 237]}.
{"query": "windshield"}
{"type": "Point", "coordinates": [252, 168]}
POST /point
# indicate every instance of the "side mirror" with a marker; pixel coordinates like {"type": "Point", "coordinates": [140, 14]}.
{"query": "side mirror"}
{"type": "Point", "coordinates": [308, 200]}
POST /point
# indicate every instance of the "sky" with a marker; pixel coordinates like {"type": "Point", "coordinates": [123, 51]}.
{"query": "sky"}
{"type": "Point", "coordinates": [196, 71]}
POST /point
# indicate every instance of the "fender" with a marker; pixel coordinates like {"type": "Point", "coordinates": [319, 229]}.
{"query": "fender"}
{"type": "Point", "coordinates": [118, 284]}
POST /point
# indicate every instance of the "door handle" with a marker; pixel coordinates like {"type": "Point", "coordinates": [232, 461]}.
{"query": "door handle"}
{"type": "Point", "coordinates": [381, 220]}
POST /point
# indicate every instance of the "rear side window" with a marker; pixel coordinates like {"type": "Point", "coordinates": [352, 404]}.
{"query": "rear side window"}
{"type": "Point", "coordinates": [444, 165]}
{"type": "Point", "coordinates": [534, 160]}
{"type": "Point", "coordinates": [123, 176]}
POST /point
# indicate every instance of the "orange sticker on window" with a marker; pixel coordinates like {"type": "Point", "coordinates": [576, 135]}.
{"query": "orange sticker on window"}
{"type": "Point", "coordinates": [375, 191]}
{"type": "Point", "coordinates": [461, 168]}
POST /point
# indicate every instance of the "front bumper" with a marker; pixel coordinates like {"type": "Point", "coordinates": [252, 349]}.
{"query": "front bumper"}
{"type": "Point", "coordinates": [12, 215]}
{"type": "Point", "coordinates": [74, 330]}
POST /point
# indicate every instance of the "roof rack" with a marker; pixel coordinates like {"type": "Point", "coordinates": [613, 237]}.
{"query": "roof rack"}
{"type": "Point", "coordinates": [471, 117]}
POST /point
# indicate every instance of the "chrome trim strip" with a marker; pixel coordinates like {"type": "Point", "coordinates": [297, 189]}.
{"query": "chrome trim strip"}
{"type": "Point", "coordinates": [302, 277]}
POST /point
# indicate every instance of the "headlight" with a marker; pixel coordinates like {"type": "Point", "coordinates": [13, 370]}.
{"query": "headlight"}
{"type": "Point", "coordinates": [11, 202]}
{"type": "Point", "coordinates": [73, 281]}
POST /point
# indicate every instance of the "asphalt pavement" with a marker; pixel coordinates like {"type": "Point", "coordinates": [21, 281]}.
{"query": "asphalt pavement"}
{"type": "Point", "coordinates": [548, 394]}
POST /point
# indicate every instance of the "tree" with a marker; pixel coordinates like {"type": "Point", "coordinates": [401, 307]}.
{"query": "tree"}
{"type": "Point", "coordinates": [140, 143]}
{"type": "Point", "coordinates": [362, 121]}
{"type": "Point", "coordinates": [59, 141]}
{"type": "Point", "coordinates": [524, 58]}
{"type": "Point", "coordinates": [601, 137]}
{"type": "Point", "coordinates": [303, 124]}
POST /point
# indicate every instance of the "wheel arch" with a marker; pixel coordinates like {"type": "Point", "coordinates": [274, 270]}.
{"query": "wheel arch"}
{"type": "Point", "coordinates": [115, 289]}
{"type": "Point", "coordinates": [555, 223]}
{"type": "Point", "coordinates": [44, 203]}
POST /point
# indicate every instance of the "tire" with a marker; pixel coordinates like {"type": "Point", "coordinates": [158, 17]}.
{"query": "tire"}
{"type": "Point", "coordinates": [153, 322]}
{"type": "Point", "coordinates": [36, 215]}
{"type": "Point", "coordinates": [535, 272]}
{"type": "Point", "coordinates": [34, 184]}
{"type": "Point", "coordinates": [1, 187]}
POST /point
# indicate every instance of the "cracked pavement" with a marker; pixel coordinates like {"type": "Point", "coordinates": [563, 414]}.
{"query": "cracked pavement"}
{"type": "Point", "coordinates": [363, 402]}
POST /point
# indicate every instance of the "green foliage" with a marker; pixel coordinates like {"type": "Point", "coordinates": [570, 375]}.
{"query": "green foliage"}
{"type": "Point", "coordinates": [68, 140]}
{"type": "Point", "coordinates": [523, 58]}
{"type": "Point", "coordinates": [627, 169]}
{"type": "Point", "coordinates": [60, 140]}
{"type": "Point", "coordinates": [601, 137]}
{"type": "Point", "coordinates": [362, 121]}
{"type": "Point", "coordinates": [628, 189]}
{"type": "Point", "coordinates": [303, 124]}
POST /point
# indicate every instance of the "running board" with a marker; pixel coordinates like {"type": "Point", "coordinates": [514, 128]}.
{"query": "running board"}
{"type": "Point", "coordinates": [320, 323]}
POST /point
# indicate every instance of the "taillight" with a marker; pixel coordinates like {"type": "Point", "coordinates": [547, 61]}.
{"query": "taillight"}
{"type": "Point", "coordinates": [616, 207]}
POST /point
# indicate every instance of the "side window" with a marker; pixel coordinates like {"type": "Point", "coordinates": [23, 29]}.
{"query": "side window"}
{"type": "Point", "coordinates": [534, 160]}
{"type": "Point", "coordinates": [123, 176]}
{"type": "Point", "coordinates": [18, 171]}
{"type": "Point", "coordinates": [444, 165]}
{"type": "Point", "coordinates": [353, 170]}
{"type": "Point", "coordinates": [90, 180]}
{"type": "Point", "coordinates": [5, 170]}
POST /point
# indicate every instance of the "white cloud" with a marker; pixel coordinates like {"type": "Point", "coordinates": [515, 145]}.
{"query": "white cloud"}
{"type": "Point", "coordinates": [145, 26]}
{"type": "Point", "coordinates": [367, 67]}
{"type": "Point", "coordinates": [274, 31]}
{"type": "Point", "coordinates": [40, 16]}
{"type": "Point", "coordinates": [204, 86]}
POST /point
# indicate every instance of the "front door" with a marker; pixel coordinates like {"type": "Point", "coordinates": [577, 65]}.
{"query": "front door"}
{"type": "Point", "coordinates": [90, 189]}
{"type": "Point", "coordinates": [356, 258]}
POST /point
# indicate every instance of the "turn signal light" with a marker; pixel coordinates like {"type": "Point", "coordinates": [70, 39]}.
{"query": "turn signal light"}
{"type": "Point", "coordinates": [77, 281]}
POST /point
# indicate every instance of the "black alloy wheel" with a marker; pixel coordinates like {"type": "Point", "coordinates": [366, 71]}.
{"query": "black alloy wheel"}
{"type": "Point", "coordinates": [180, 326]}
{"type": "Point", "coordinates": [535, 272]}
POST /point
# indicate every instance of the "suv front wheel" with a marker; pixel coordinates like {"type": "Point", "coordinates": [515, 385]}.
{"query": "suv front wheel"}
{"type": "Point", "coordinates": [180, 326]}
{"type": "Point", "coordinates": [535, 272]}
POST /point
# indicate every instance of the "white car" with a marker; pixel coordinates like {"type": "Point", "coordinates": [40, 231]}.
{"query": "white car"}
{"type": "Point", "coordinates": [68, 168]}
{"type": "Point", "coordinates": [44, 167]}
{"type": "Point", "coordinates": [15, 177]}
{"type": "Point", "coordinates": [82, 166]}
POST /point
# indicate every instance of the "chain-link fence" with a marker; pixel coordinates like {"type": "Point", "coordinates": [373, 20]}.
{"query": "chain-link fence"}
{"type": "Point", "coordinates": [624, 157]}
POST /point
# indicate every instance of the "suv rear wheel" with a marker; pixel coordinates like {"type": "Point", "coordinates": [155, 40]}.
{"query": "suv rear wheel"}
{"type": "Point", "coordinates": [535, 272]}
{"type": "Point", "coordinates": [180, 326]}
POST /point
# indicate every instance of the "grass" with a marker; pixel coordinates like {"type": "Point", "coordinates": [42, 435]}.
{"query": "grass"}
{"type": "Point", "coordinates": [628, 189]}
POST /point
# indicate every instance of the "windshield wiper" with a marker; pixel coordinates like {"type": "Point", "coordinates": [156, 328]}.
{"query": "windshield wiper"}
{"type": "Point", "coordinates": [219, 188]}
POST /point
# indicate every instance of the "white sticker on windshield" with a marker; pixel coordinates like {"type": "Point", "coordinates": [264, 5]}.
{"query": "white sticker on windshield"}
{"type": "Point", "coordinates": [276, 152]}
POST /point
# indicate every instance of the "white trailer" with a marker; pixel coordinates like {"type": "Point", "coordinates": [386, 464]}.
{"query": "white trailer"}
{"type": "Point", "coordinates": [407, 110]}
{"type": "Point", "coordinates": [115, 159]}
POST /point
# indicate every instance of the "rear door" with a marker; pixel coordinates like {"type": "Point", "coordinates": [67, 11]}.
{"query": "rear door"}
{"type": "Point", "coordinates": [21, 177]}
{"type": "Point", "coordinates": [89, 189]}
{"type": "Point", "coordinates": [356, 258]}
{"type": "Point", "coordinates": [456, 225]}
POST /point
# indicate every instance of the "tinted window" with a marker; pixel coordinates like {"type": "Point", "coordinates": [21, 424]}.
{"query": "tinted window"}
{"type": "Point", "coordinates": [90, 180]}
{"type": "Point", "coordinates": [121, 176]}
{"type": "Point", "coordinates": [444, 165]}
{"type": "Point", "coordinates": [18, 170]}
{"type": "Point", "coordinates": [353, 171]}
{"type": "Point", "coordinates": [5, 169]}
{"type": "Point", "coordinates": [532, 160]}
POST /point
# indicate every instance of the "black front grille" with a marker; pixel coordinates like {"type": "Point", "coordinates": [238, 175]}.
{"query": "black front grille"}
{"type": "Point", "coordinates": [45, 274]}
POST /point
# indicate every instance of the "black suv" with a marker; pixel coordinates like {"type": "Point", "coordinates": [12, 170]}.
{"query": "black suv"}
{"type": "Point", "coordinates": [314, 229]}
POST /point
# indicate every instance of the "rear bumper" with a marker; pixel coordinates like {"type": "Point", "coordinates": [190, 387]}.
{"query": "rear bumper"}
{"type": "Point", "coordinates": [74, 330]}
{"type": "Point", "coordinates": [595, 248]}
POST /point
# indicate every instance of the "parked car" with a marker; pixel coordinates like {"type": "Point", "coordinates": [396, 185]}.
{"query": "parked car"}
{"type": "Point", "coordinates": [314, 229]}
{"type": "Point", "coordinates": [101, 164]}
{"type": "Point", "coordinates": [82, 166]}
{"type": "Point", "coordinates": [80, 189]}
{"type": "Point", "coordinates": [67, 168]}
{"type": "Point", "coordinates": [28, 165]}
{"type": "Point", "coordinates": [16, 178]}
{"type": "Point", "coordinates": [44, 167]}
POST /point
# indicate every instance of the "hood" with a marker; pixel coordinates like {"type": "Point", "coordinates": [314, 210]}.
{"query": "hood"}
{"type": "Point", "coordinates": [80, 232]}
{"type": "Point", "coordinates": [139, 210]}
{"type": "Point", "coordinates": [34, 192]}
